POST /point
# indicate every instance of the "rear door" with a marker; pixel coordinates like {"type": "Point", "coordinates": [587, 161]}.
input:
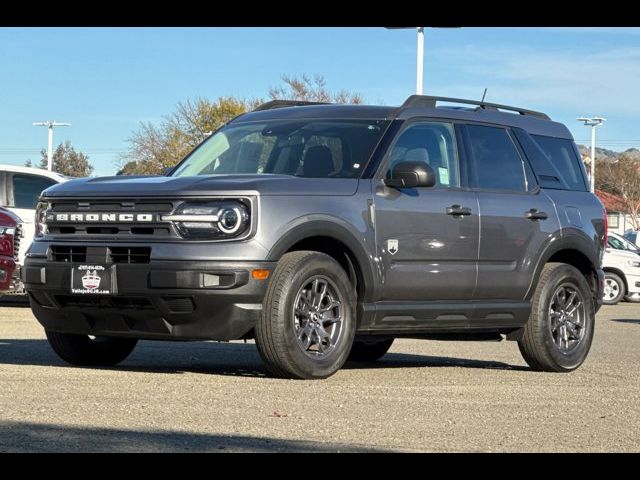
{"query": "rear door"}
{"type": "Point", "coordinates": [516, 217]}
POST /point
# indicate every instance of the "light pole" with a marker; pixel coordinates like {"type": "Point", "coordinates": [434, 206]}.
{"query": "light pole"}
{"type": "Point", "coordinates": [50, 125]}
{"type": "Point", "coordinates": [592, 122]}
{"type": "Point", "coordinates": [420, 55]}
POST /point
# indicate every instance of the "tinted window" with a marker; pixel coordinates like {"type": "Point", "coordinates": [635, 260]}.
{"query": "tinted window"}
{"type": "Point", "coordinates": [430, 143]}
{"type": "Point", "coordinates": [497, 164]}
{"type": "Point", "coordinates": [561, 152]}
{"type": "Point", "coordinates": [27, 189]}
{"type": "Point", "coordinates": [305, 148]}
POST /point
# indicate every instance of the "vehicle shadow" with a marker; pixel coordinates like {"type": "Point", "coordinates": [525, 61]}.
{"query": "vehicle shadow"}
{"type": "Point", "coordinates": [232, 359]}
{"type": "Point", "coordinates": [18, 301]}
{"type": "Point", "coordinates": [22, 437]}
{"type": "Point", "coordinates": [626, 320]}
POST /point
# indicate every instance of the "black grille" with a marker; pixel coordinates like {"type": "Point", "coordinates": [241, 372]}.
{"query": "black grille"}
{"type": "Point", "coordinates": [130, 254]}
{"type": "Point", "coordinates": [111, 206]}
{"type": "Point", "coordinates": [67, 253]}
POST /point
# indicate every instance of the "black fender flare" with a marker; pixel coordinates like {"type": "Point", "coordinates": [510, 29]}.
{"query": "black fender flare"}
{"type": "Point", "coordinates": [569, 239]}
{"type": "Point", "coordinates": [301, 229]}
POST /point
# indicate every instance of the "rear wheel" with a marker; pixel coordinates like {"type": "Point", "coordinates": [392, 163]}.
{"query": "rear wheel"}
{"type": "Point", "coordinates": [83, 350]}
{"type": "Point", "coordinates": [614, 289]}
{"type": "Point", "coordinates": [558, 334]}
{"type": "Point", "coordinates": [369, 351]}
{"type": "Point", "coordinates": [307, 324]}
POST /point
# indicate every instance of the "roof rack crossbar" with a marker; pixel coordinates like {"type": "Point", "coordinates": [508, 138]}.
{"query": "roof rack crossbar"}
{"type": "Point", "coordinates": [285, 103]}
{"type": "Point", "coordinates": [429, 101]}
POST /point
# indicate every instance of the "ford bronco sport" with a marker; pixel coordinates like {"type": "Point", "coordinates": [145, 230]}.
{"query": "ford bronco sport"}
{"type": "Point", "coordinates": [326, 231]}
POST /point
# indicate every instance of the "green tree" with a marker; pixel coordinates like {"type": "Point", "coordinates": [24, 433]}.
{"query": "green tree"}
{"type": "Point", "coordinates": [67, 161]}
{"type": "Point", "coordinates": [153, 148]}
{"type": "Point", "coordinates": [622, 178]}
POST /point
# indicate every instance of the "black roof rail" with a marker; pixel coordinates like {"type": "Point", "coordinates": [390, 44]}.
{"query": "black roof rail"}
{"type": "Point", "coordinates": [285, 103]}
{"type": "Point", "coordinates": [430, 102]}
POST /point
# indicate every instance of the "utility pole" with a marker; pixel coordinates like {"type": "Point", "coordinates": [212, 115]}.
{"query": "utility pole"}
{"type": "Point", "coordinates": [592, 122]}
{"type": "Point", "coordinates": [420, 61]}
{"type": "Point", "coordinates": [420, 58]}
{"type": "Point", "coordinates": [50, 125]}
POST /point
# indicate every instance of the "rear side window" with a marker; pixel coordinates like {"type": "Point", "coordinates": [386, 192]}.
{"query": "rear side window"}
{"type": "Point", "coordinates": [27, 189]}
{"type": "Point", "coordinates": [563, 156]}
{"type": "Point", "coordinates": [496, 162]}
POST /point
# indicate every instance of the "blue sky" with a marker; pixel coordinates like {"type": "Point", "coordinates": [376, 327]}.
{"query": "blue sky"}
{"type": "Point", "coordinates": [106, 80]}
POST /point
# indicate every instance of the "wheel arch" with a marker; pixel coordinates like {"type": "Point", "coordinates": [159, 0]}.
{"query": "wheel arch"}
{"type": "Point", "coordinates": [577, 251]}
{"type": "Point", "coordinates": [336, 241]}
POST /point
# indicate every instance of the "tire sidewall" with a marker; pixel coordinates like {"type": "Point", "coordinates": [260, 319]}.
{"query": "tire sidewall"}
{"type": "Point", "coordinates": [327, 267]}
{"type": "Point", "coordinates": [621, 291]}
{"type": "Point", "coordinates": [571, 276]}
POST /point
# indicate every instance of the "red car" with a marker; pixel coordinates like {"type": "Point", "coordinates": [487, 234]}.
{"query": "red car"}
{"type": "Point", "coordinates": [10, 235]}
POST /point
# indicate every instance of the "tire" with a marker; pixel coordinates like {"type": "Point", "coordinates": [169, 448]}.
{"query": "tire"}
{"type": "Point", "coordinates": [85, 351]}
{"type": "Point", "coordinates": [633, 298]}
{"type": "Point", "coordinates": [288, 338]}
{"type": "Point", "coordinates": [614, 289]}
{"type": "Point", "coordinates": [541, 344]}
{"type": "Point", "coordinates": [368, 351]}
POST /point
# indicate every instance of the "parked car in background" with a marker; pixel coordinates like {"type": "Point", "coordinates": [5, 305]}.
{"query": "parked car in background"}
{"type": "Point", "coordinates": [621, 275]}
{"type": "Point", "coordinates": [10, 238]}
{"type": "Point", "coordinates": [618, 242]}
{"type": "Point", "coordinates": [20, 188]}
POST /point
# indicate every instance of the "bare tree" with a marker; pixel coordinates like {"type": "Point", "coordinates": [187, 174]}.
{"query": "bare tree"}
{"type": "Point", "coordinates": [310, 89]}
{"type": "Point", "coordinates": [622, 178]}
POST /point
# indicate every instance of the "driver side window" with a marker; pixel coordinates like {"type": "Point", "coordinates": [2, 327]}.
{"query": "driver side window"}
{"type": "Point", "coordinates": [432, 143]}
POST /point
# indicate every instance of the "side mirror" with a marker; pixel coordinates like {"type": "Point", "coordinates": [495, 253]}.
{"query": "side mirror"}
{"type": "Point", "coordinates": [411, 175]}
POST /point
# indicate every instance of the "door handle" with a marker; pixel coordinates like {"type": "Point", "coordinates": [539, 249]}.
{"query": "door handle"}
{"type": "Point", "coordinates": [457, 211]}
{"type": "Point", "coordinates": [535, 214]}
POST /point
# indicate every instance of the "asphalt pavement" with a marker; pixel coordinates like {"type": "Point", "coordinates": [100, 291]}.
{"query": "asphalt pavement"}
{"type": "Point", "coordinates": [422, 396]}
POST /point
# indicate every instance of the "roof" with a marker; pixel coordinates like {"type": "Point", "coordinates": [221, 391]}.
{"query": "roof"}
{"type": "Point", "coordinates": [613, 203]}
{"type": "Point", "coordinates": [32, 171]}
{"type": "Point", "coordinates": [535, 123]}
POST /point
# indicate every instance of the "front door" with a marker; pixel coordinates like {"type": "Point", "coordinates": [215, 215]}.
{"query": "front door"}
{"type": "Point", "coordinates": [427, 238]}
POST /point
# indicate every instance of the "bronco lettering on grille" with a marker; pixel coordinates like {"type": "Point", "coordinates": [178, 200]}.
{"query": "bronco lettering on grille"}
{"type": "Point", "coordinates": [101, 217]}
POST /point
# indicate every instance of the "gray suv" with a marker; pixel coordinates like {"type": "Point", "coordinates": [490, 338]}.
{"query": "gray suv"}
{"type": "Point", "coordinates": [326, 231]}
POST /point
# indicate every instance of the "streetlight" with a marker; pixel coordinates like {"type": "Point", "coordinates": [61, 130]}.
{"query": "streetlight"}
{"type": "Point", "coordinates": [50, 125]}
{"type": "Point", "coordinates": [420, 55]}
{"type": "Point", "coordinates": [592, 122]}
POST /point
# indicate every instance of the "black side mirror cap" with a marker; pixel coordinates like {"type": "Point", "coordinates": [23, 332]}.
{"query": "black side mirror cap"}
{"type": "Point", "coordinates": [411, 175]}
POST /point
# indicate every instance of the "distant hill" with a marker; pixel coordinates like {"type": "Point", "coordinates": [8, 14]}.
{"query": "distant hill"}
{"type": "Point", "coordinates": [606, 154]}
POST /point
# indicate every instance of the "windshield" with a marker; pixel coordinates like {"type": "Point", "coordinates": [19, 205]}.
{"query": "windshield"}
{"type": "Point", "coordinates": [305, 148]}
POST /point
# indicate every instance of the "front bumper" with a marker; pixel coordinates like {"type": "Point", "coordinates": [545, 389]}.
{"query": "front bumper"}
{"type": "Point", "coordinates": [633, 284]}
{"type": "Point", "coordinates": [157, 300]}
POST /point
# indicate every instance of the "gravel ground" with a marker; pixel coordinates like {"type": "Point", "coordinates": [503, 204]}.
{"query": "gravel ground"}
{"type": "Point", "coordinates": [422, 396]}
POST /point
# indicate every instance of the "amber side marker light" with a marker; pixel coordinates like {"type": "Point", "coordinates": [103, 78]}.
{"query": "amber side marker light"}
{"type": "Point", "coordinates": [260, 274]}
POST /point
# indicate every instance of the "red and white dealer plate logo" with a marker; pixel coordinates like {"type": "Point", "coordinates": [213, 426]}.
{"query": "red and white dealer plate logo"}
{"type": "Point", "coordinates": [91, 280]}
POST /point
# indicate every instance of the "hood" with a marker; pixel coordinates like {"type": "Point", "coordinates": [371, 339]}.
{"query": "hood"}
{"type": "Point", "coordinates": [141, 186]}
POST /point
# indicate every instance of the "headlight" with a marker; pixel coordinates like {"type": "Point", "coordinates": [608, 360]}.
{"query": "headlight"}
{"type": "Point", "coordinates": [633, 263]}
{"type": "Point", "coordinates": [211, 220]}
{"type": "Point", "coordinates": [40, 221]}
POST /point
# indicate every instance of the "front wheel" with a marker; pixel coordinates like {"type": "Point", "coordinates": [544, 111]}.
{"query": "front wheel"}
{"type": "Point", "coordinates": [613, 289]}
{"type": "Point", "coordinates": [307, 324]}
{"type": "Point", "coordinates": [558, 334]}
{"type": "Point", "coordinates": [83, 350]}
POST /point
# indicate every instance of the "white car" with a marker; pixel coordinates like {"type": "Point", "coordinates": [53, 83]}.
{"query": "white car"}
{"type": "Point", "coordinates": [621, 275]}
{"type": "Point", "coordinates": [20, 188]}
